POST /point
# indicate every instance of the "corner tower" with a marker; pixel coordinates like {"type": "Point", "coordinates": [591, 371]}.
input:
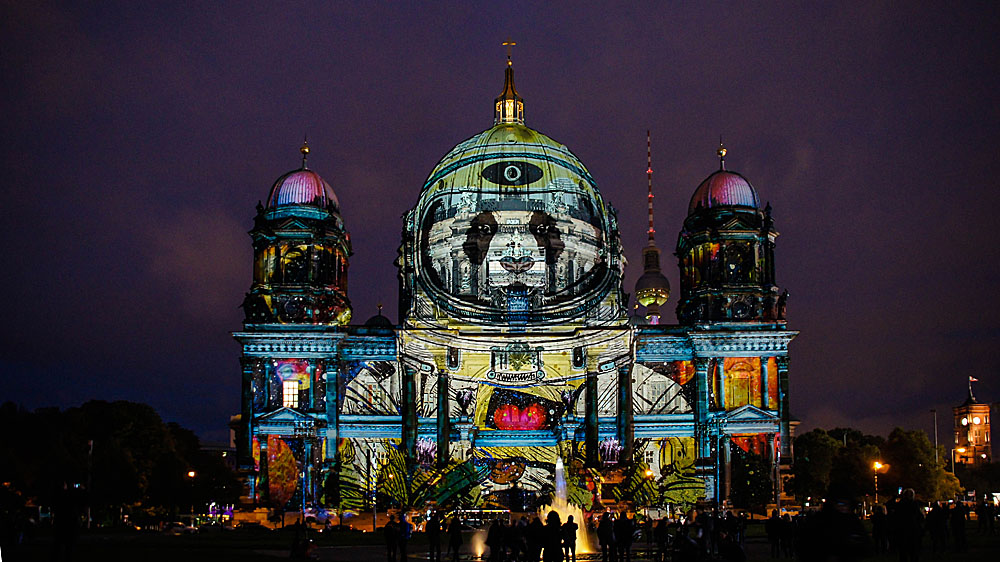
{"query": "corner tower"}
{"type": "Point", "coordinates": [301, 252]}
{"type": "Point", "coordinates": [295, 315]}
{"type": "Point", "coordinates": [726, 255]}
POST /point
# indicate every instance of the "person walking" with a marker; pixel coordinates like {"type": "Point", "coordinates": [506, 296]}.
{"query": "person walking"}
{"type": "Point", "coordinates": [908, 525]}
{"type": "Point", "coordinates": [624, 530]}
{"type": "Point", "coordinates": [959, 514]}
{"type": "Point", "coordinates": [553, 538]}
{"type": "Point", "coordinates": [772, 528]}
{"type": "Point", "coordinates": [535, 537]}
{"type": "Point", "coordinates": [405, 531]}
{"type": "Point", "coordinates": [391, 535]}
{"type": "Point", "coordinates": [455, 538]}
{"type": "Point", "coordinates": [569, 539]}
{"type": "Point", "coordinates": [937, 527]}
{"type": "Point", "coordinates": [433, 532]}
{"type": "Point", "coordinates": [606, 537]}
{"type": "Point", "coordinates": [494, 540]}
{"type": "Point", "coordinates": [661, 536]}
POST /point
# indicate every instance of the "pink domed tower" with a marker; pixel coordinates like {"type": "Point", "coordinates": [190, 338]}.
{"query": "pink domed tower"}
{"type": "Point", "coordinates": [301, 252]}
{"type": "Point", "coordinates": [726, 255]}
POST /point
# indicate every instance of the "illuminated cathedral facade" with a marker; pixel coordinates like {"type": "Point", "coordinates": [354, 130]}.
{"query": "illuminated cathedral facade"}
{"type": "Point", "coordinates": [515, 346]}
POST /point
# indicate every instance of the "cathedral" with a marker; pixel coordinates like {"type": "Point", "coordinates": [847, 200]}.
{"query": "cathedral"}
{"type": "Point", "coordinates": [516, 354]}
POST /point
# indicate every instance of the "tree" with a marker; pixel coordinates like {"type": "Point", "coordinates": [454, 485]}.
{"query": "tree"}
{"type": "Point", "coordinates": [852, 475]}
{"type": "Point", "coordinates": [132, 459]}
{"type": "Point", "coordinates": [814, 454]}
{"type": "Point", "coordinates": [911, 458]}
{"type": "Point", "coordinates": [750, 477]}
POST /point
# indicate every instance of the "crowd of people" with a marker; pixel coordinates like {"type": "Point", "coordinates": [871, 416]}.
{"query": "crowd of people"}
{"type": "Point", "coordinates": [834, 532]}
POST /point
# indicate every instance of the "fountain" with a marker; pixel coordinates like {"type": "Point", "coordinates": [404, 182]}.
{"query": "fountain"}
{"type": "Point", "coordinates": [560, 504]}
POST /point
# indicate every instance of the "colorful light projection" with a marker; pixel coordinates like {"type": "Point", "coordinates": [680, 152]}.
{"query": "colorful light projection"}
{"type": "Point", "coordinates": [513, 410]}
{"type": "Point", "coordinates": [290, 382]}
{"type": "Point", "coordinates": [301, 263]}
{"type": "Point", "coordinates": [756, 443]}
{"type": "Point", "coordinates": [534, 240]}
{"type": "Point", "coordinates": [282, 471]}
{"type": "Point", "coordinates": [742, 381]}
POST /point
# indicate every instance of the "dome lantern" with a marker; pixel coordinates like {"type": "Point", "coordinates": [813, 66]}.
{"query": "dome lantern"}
{"type": "Point", "coordinates": [509, 106]}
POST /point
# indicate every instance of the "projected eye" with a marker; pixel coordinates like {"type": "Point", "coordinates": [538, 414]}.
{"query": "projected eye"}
{"type": "Point", "coordinates": [512, 173]}
{"type": "Point", "coordinates": [485, 229]}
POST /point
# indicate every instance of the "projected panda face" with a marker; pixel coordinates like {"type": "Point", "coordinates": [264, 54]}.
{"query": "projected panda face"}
{"type": "Point", "coordinates": [511, 227]}
{"type": "Point", "coordinates": [485, 256]}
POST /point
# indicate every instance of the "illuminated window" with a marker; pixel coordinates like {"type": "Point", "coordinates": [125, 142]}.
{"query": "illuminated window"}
{"type": "Point", "coordinates": [290, 394]}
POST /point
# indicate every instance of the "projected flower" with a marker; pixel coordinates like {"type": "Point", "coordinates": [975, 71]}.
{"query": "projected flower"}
{"type": "Point", "coordinates": [511, 416]}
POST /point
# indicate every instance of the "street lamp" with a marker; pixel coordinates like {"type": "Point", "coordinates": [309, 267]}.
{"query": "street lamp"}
{"type": "Point", "coordinates": [191, 474]}
{"type": "Point", "coordinates": [953, 451]}
{"type": "Point", "coordinates": [876, 467]}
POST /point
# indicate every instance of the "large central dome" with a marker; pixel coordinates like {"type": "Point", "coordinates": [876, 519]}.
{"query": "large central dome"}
{"type": "Point", "coordinates": [510, 226]}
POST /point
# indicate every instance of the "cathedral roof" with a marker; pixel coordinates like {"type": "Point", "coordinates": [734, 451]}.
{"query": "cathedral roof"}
{"type": "Point", "coordinates": [724, 189]}
{"type": "Point", "coordinates": [303, 187]}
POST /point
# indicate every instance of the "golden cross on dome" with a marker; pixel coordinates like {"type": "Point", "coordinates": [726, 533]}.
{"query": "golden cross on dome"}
{"type": "Point", "coordinates": [509, 43]}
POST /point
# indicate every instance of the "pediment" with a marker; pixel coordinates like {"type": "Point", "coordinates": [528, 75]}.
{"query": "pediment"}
{"type": "Point", "coordinates": [748, 413]}
{"type": "Point", "coordinates": [287, 415]}
{"type": "Point", "coordinates": [736, 223]}
{"type": "Point", "coordinates": [292, 224]}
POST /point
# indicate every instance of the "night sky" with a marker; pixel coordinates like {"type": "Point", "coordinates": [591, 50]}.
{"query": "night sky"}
{"type": "Point", "coordinates": [137, 139]}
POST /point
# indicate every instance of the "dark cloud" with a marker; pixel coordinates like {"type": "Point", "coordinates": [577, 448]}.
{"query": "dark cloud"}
{"type": "Point", "coordinates": [138, 139]}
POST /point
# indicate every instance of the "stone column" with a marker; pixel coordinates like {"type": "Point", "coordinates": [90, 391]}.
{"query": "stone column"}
{"type": "Point", "coordinates": [701, 405]}
{"type": "Point", "coordinates": [311, 370]}
{"type": "Point", "coordinates": [725, 467]}
{"type": "Point", "coordinates": [443, 420]}
{"type": "Point", "coordinates": [590, 419]}
{"type": "Point", "coordinates": [265, 489]}
{"type": "Point", "coordinates": [720, 369]}
{"type": "Point", "coordinates": [772, 462]}
{"type": "Point", "coordinates": [408, 400]}
{"type": "Point", "coordinates": [764, 390]}
{"type": "Point", "coordinates": [307, 467]}
{"type": "Point", "coordinates": [784, 416]}
{"type": "Point", "coordinates": [332, 373]}
{"type": "Point", "coordinates": [624, 426]}
{"type": "Point", "coordinates": [244, 445]}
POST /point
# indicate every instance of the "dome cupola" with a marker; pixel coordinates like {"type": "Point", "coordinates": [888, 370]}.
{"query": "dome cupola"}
{"type": "Point", "coordinates": [724, 189]}
{"type": "Point", "coordinates": [303, 187]}
{"type": "Point", "coordinates": [510, 228]}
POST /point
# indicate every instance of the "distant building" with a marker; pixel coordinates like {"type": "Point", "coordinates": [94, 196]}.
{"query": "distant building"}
{"type": "Point", "coordinates": [972, 431]}
{"type": "Point", "coordinates": [515, 353]}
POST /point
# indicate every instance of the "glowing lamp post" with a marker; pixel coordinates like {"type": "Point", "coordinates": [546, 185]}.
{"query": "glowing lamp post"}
{"type": "Point", "coordinates": [191, 474]}
{"type": "Point", "coordinates": [876, 467]}
{"type": "Point", "coordinates": [958, 450]}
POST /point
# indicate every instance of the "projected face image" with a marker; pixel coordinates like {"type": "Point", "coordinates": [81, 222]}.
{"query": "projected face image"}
{"type": "Point", "coordinates": [512, 254]}
{"type": "Point", "coordinates": [546, 232]}
{"type": "Point", "coordinates": [479, 236]}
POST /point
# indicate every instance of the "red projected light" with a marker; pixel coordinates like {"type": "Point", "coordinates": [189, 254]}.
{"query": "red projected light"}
{"type": "Point", "coordinates": [509, 416]}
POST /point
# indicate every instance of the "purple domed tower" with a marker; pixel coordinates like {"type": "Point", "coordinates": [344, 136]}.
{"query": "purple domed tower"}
{"type": "Point", "coordinates": [301, 252]}
{"type": "Point", "coordinates": [726, 254]}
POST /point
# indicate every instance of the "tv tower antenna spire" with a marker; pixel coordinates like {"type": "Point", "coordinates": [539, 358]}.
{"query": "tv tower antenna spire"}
{"type": "Point", "coordinates": [649, 179]}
